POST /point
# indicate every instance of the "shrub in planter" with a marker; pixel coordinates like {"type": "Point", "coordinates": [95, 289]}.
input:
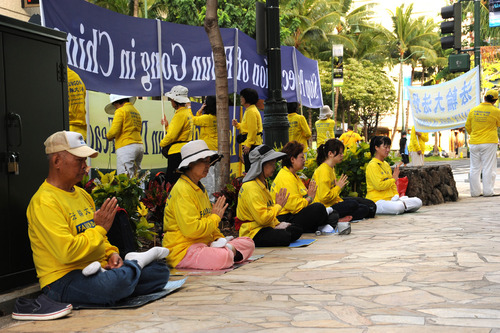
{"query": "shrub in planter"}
{"type": "Point", "coordinates": [128, 192]}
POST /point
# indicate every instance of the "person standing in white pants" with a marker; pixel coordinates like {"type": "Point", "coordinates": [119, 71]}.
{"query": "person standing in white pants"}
{"type": "Point", "coordinates": [482, 123]}
{"type": "Point", "coordinates": [126, 131]}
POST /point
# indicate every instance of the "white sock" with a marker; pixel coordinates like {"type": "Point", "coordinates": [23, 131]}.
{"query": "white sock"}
{"type": "Point", "coordinates": [221, 242]}
{"type": "Point", "coordinates": [93, 268]}
{"type": "Point", "coordinates": [229, 238]}
{"type": "Point", "coordinates": [145, 258]}
{"type": "Point", "coordinates": [329, 210]}
{"type": "Point", "coordinates": [325, 228]}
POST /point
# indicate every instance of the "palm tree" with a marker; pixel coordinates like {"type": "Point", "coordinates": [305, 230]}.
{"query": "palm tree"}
{"type": "Point", "coordinates": [221, 88]}
{"type": "Point", "coordinates": [412, 38]}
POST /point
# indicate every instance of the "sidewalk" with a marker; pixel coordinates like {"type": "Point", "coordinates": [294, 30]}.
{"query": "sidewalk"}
{"type": "Point", "coordinates": [437, 270]}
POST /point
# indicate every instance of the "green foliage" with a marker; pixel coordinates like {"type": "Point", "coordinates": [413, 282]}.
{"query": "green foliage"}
{"type": "Point", "coordinates": [310, 165]}
{"type": "Point", "coordinates": [231, 14]}
{"type": "Point", "coordinates": [128, 192]}
{"type": "Point", "coordinates": [368, 90]}
{"type": "Point", "coordinates": [354, 166]}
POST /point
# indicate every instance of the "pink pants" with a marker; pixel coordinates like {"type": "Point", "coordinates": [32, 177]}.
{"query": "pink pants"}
{"type": "Point", "coordinates": [202, 256]}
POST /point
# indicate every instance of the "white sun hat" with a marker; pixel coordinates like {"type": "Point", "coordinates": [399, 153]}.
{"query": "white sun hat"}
{"type": "Point", "coordinates": [110, 108]}
{"type": "Point", "coordinates": [194, 151]}
{"type": "Point", "coordinates": [178, 94]}
{"type": "Point", "coordinates": [260, 155]}
{"type": "Point", "coordinates": [324, 112]}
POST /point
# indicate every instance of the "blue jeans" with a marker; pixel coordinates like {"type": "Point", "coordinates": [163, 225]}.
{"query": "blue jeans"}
{"type": "Point", "coordinates": [106, 288]}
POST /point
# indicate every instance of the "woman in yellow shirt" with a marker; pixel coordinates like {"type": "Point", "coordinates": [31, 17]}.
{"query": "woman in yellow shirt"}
{"type": "Point", "coordinates": [257, 211]}
{"type": "Point", "coordinates": [179, 132]}
{"type": "Point", "coordinates": [251, 124]}
{"type": "Point", "coordinates": [381, 181]}
{"type": "Point", "coordinates": [126, 131]}
{"type": "Point", "coordinates": [300, 208]}
{"type": "Point", "coordinates": [329, 187]}
{"type": "Point", "coordinates": [299, 129]}
{"type": "Point", "coordinates": [191, 222]}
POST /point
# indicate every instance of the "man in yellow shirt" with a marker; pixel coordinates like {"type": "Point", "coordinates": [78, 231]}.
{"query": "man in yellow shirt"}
{"type": "Point", "coordinates": [482, 123]}
{"type": "Point", "coordinates": [325, 126]}
{"type": "Point", "coordinates": [76, 105]}
{"type": "Point", "coordinates": [350, 138]}
{"type": "Point", "coordinates": [417, 147]}
{"type": "Point", "coordinates": [179, 132]}
{"type": "Point", "coordinates": [126, 131]}
{"type": "Point", "coordinates": [68, 236]}
{"type": "Point", "coordinates": [299, 130]}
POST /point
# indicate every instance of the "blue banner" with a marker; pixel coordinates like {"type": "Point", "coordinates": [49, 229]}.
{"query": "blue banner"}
{"type": "Point", "coordinates": [445, 106]}
{"type": "Point", "coordinates": [115, 53]}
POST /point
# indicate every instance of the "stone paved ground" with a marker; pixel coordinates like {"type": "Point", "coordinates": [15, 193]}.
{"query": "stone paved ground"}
{"type": "Point", "coordinates": [437, 270]}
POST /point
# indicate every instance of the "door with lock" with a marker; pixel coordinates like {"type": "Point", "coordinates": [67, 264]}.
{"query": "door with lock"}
{"type": "Point", "coordinates": [33, 105]}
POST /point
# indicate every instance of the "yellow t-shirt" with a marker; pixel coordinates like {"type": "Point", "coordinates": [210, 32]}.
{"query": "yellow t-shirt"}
{"type": "Point", "coordinates": [179, 129]}
{"type": "Point", "coordinates": [350, 139]}
{"type": "Point", "coordinates": [327, 192]}
{"type": "Point", "coordinates": [379, 182]}
{"type": "Point", "coordinates": [188, 219]}
{"type": "Point", "coordinates": [298, 130]}
{"type": "Point", "coordinates": [482, 123]}
{"type": "Point", "coordinates": [251, 124]}
{"type": "Point", "coordinates": [295, 188]}
{"type": "Point", "coordinates": [126, 126]}
{"type": "Point", "coordinates": [208, 129]}
{"type": "Point", "coordinates": [417, 143]}
{"type": "Point", "coordinates": [325, 130]}
{"type": "Point", "coordinates": [63, 234]}
{"type": "Point", "coordinates": [256, 205]}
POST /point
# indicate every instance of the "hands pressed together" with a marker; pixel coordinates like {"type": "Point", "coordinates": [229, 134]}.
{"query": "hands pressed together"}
{"type": "Point", "coordinates": [219, 206]}
{"type": "Point", "coordinates": [282, 197]}
{"type": "Point", "coordinates": [105, 215]}
{"type": "Point", "coordinates": [342, 181]}
{"type": "Point", "coordinates": [395, 173]}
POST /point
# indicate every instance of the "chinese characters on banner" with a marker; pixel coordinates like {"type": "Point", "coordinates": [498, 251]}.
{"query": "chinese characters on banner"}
{"type": "Point", "coordinates": [445, 106]}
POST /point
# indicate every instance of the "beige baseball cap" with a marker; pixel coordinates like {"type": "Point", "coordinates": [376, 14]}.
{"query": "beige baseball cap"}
{"type": "Point", "coordinates": [72, 142]}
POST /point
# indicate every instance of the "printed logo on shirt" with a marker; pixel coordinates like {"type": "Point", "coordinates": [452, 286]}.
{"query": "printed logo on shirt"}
{"type": "Point", "coordinates": [84, 226]}
{"type": "Point", "coordinates": [205, 212]}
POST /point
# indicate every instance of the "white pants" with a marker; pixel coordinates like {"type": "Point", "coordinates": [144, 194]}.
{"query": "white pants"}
{"type": "Point", "coordinates": [398, 205]}
{"type": "Point", "coordinates": [129, 158]}
{"type": "Point", "coordinates": [416, 159]}
{"type": "Point", "coordinates": [483, 159]}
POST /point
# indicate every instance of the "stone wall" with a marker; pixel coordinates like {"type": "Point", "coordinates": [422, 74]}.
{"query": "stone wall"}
{"type": "Point", "coordinates": [432, 184]}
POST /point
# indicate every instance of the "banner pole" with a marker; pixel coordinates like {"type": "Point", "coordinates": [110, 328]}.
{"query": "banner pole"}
{"type": "Point", "coordinates": [235, 73]}
{"type": "Point", "coordinates": [158, 32]}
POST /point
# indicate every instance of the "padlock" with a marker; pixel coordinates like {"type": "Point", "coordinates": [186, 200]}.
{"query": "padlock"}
{"type": "Point", "coordinates": [13, 164]}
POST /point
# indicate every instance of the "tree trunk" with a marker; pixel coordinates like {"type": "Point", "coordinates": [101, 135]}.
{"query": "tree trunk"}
{"type": "Point", "coordinates": [336, 106]}
{"type": "Point", "coordinates": [221, 90]}
{"type": "Point", "coordinates": [399, 101]}
{"type": "Point", "coordinates": [436, 144]}
{"type": "Point", "coordinates": [408, 104]}
{"type": "Point", "coordinates": [136, 8]}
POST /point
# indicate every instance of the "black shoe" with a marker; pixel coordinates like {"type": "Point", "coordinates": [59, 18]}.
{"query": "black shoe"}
{"type": "Point", "coordinates": [42, 308]}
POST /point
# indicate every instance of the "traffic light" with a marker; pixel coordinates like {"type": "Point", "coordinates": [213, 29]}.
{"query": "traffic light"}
{"type": "Point", "coordinates": [453, 26]}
